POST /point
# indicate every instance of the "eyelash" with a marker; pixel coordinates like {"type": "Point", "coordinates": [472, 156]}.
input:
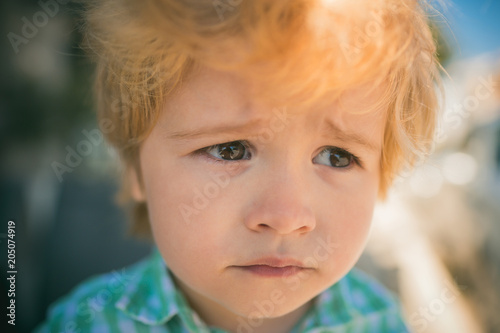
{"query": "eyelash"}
{"type": "Point", "coordinates": [204, 152]}
{"type": "Point", "coordinates": [355, 160]}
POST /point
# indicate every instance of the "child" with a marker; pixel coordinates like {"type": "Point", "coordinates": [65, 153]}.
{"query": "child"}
{"type": "Point", "coordinates": [256, 136]}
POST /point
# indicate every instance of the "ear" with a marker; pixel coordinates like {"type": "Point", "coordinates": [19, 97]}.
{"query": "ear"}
{"type": "Point", "coordinates": [136, 186]}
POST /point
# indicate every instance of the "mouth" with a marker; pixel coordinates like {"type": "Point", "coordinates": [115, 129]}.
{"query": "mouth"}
{"type": "Point", "coordinates": [273, 267]}
{"type": "Point", "coordinates": [270, 271]}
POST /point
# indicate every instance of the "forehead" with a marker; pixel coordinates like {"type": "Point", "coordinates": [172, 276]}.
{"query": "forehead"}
{"type": "Point", "coordinates": [210, 97]}
{"type": "Point", "coordinates": [216, 91]}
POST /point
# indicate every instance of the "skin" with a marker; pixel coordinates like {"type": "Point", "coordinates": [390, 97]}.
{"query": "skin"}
{"type": "Point", "coordinates": [211, 219]}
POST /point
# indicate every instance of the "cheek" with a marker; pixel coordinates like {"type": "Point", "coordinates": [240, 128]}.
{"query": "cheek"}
{"type": "Point", "coordinates": [183, 208]}
{"type": "Point", "coordinates": [346, 220]}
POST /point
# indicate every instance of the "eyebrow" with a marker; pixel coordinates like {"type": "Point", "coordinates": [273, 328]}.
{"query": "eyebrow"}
{"type": "Point", "coordinates": [348, 136]}
{"type": "Point", "coordinates": [332, 130]}
{"type": "Point", "coordinates": [211, 130]}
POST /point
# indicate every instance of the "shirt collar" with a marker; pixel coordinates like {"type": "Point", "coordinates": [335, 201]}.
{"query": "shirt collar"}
{"type": "Point", "coordinates": [330, 309]}
{"type": "Point", "coordinates": [152, 298]}
{"type": "Point", "coordinates": [351, 300]}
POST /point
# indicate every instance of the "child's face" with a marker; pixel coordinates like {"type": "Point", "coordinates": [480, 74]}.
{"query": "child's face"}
{"type": "Point", "coordinates": [257, 210]}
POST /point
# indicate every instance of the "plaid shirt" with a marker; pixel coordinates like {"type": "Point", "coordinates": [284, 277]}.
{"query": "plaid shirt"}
{"type": "Point", "coordinates": [143, 298]}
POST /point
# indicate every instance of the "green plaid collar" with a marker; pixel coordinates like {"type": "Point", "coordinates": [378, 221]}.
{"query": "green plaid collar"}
{"type": "Point", "coordinates": [356, 302]}
{"type": "Point", "coordinates": [152, 298]}
{"type": "Point", "coordinates": [143, 298]}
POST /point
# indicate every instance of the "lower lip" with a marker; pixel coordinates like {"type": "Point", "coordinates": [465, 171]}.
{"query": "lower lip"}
{"type": "Point", "coordinates": [270, 271]}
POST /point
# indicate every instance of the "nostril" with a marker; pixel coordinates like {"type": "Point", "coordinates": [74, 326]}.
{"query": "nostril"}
{"type": "Point", "coordinates": [283, 228]}
{"type": "Point", "coordinates": [304, 229]}
{"type": "Point", "coordinates": [283, 216]}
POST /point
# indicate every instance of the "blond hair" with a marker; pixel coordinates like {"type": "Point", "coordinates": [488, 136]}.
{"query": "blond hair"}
{"type": "Point", "coordinates": [300, 50]}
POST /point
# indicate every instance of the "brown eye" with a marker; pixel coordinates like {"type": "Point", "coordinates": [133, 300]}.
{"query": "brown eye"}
{"type": "Point", "coordinates": [229, 151]}
{"type": "Point", "coordinates": [340, 160]}
{"type": "Point", "coordinates": [335, 157]}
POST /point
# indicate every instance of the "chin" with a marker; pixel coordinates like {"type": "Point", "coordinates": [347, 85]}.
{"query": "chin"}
{"type": "Point", "coordinates": [267, 309]}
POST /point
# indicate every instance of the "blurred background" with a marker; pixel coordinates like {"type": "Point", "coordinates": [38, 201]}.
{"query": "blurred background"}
{"type": "Point", "coordinates": [435, 241]}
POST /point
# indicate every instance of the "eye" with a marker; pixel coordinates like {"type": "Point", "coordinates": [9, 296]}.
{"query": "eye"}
{"type": "Point", "coordinates": [335, 157]}
{"type": "Point", "coordinates": [229, 151]}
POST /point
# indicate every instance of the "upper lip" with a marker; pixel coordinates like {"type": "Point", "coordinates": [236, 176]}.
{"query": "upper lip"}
{"type": "Point", "coordinates": [275, 262]}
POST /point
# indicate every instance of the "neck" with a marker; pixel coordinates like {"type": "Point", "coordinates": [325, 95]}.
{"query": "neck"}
{"type": "Point", "coordinates": [217, 316]}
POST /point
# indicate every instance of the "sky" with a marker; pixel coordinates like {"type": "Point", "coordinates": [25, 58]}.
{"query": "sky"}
{"type": "Point", "coordinates": [476, 26]}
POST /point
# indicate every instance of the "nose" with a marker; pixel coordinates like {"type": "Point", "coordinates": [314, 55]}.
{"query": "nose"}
{"type": "Point", "coordinates": [281, 205]}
